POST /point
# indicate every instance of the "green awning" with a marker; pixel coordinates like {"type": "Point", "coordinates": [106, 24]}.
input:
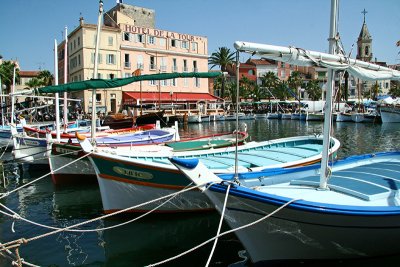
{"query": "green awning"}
{"type": "Point", "coordinates": [112, 83]}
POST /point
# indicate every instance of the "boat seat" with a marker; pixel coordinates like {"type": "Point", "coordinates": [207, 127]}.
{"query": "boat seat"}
{"type": "Point", "coordinates": [352, 187]}
{"type": "Point", "coordinates": [368, 182]}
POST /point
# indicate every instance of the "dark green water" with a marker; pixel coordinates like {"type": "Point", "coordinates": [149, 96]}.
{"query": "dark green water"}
{"type": "Point", "coordinates": [156, 237]}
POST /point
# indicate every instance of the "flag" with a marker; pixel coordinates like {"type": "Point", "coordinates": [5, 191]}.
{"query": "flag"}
{"type": "Point", "coordinates": [137, 72]}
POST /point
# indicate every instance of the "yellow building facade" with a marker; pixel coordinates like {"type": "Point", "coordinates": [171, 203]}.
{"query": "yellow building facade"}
{"type": "Point", "coordinates": [128, 43]}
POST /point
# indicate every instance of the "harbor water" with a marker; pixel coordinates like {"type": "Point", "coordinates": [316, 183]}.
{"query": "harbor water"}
{"type": "Point", "coordinates": [130, 241]}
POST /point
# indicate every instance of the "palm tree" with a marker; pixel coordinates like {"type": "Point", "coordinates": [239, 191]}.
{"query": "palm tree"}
{"type": "Point", "coordinates": [223, 57]}
{"type": "Point", "coordinates": [46, 77]}
{"type": "Point", "coordinates": [281, 90]}
{"type": "Point", "coordinates": [295, 81]}
{"type": "Point", "coordinates": [34, 83]}
{"type": "Point", "coordinates": [269, 81]}
{"type": "Point", "coordinates": [7, 73]}
{"type": "Point", "coordinates": [313, 90]}
{"type": "Point", "coordinates": [395, 89]}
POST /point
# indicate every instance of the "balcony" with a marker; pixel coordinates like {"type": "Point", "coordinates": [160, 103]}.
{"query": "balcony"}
{"type": "Point", "coordinates": [185, 69]}
{"type": "Point", "coordinates": [152, 67]}
{"type": "Point", "coordinates": [174, 68]}
{"type": "Point", "coordinates": [195, 70]}
{"type": "Point", "coordinates": [163, 68]}
{"type": "Point", "coordinates": [127, 65]}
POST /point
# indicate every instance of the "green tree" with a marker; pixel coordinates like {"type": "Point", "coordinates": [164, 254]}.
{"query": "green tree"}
{"type": "Point", "coordinates": [395, 89]}
{"type": "Point", "coordinates": [223, 58]}
{"type": "Point", "coordinates": [295, 81]}
{"type": "Point", "coordinates": [34, 83]}
{"type": "Point", "coordinates": [269, 81]}
{"type": "Point", "coordinates": [46, 77]}
{"type": "Point", "coordinates": [313, 90]}
{"type": "Point", "coordinates": [7, 73]}
{"type": "Point", "coordinates": [281, 91]}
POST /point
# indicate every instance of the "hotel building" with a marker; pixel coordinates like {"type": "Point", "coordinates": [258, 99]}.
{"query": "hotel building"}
{"type": "Point", "coordinates": [130, 43]}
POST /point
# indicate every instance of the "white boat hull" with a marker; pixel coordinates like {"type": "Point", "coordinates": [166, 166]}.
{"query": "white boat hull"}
{"type": "Point", "coordinates": [390, 115]}
{"type": "Point", "coordinates": [119, 195]}
{"type": "Point", "coordinates": [297, 235]}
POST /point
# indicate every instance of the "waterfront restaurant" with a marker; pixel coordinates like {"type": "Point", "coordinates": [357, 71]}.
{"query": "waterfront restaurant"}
{"type": "Point", "coordinates": [131, 45]}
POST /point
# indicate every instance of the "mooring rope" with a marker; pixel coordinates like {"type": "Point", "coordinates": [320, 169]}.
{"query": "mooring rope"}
{"type": "Point", "coordinates": [13, 258]}
{"type": "Point", "coordinates": [16, 216]}
{"type": "Point", "coordinates": [2, 195]}
{"type": "Point", "coordinates": [220, 225]}
{"type": "Point", "coordinates": [17, 242]}
{"type": "Point", "coordinates": [224, 233]}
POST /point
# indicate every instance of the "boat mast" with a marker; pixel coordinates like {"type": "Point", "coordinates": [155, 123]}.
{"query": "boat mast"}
{"type": "Point", "coordinates": [13, 97]}
{"type": "Point", "coordinates": [57, 94]}
{"type": "Point", "coordinates": [65, 109]}
{"type": "Point", "coordinates": [96, 55]}
{"type": "Point", "coordinates": [1, 101]}
{"type": "Point", "coordinates": [236, 178]}
{"type": "Point", "coordinates": [329, 91]}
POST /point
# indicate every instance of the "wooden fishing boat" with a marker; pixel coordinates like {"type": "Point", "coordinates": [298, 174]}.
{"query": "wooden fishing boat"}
{"type": "Point", "coordinates": [127, 178]}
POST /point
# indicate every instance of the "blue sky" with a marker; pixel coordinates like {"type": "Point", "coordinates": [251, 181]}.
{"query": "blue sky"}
{"type": "Point", "coordinates": [29, 27]}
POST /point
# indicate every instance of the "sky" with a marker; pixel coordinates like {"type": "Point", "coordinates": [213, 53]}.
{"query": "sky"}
{"type": "Point", "coordinates": [29, 27]}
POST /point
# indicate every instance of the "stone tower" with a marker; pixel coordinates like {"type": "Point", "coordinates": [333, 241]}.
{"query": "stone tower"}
{"type": "Point", "coordinates": [364, 43]}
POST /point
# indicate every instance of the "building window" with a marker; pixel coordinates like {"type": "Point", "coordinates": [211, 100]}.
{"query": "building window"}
{"type": "Point", "coordinates": [140, 38]}
{"type": "Point", "coordinates": [174, 65]}
{"type": "Point", "coordinates": [73, 62]}
{"type": "Point", "coordinates": [152, 63]}
{"type": "Point", "coordinates": [173, 82]}
{"type": "Point", "coordinates": [185, 82]}
{"type": "Point", "coordinates": [99, 76]}
{"type": "Point", "coordinates": [111, 59]}
{"type": "Point", "coordinates": [151, 39]}
{"type": "Point", "coordinates": [74, 43]}
{"type": "Point", "coordinates": [127, 74]}
{"type": "Point", "coordinates": [185, 67]}
{"type": "Point", "coordinates": [196, 82]}
{"type": "Point", "coordinates": [162, 41]}
{"type": "Point", "coordinates": [99, 57]}
{"type": "Point", "coordinates": [195, 66]}
{"type": "Point", "coordinates": [163, 64]}
{"type": "Point", "coordinates": [140, 62]}
{"type": "Point", "coordinates": [79, 41]}
{"type": "Point", "coordinates": [367, 50]}
{"type": "Point", "coordinates": [98, 97]}
{"type": "Point", "coordinates": [79, 60]}
{"type": "Point", "coordinates": [127, 63]}
{"type": "Point", "coordinates": [110, 41]}
{"type": "Point", "coordinates": [163, 82]}
{"type": "Point", "coordinates": [174, 43]}
{"type": "Point", "coordinates": [185, 44]}
{"type": "Point", "coordinates": [126, 36]}
{"type": "Point", "coordinates": [283, 73]}
{"type": "Point", "coordinates": [194, 46]}
{"type": "Point", "coordinates": [152, 82]}
{"type": "Point", "coordinates": [111, 76]}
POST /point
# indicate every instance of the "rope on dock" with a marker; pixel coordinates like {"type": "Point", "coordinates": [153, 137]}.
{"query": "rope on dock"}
{"type": "Point", "coordinates": [224, 233]}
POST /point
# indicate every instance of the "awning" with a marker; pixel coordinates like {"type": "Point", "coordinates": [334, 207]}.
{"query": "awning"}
{"type": "Point", "coordinates": [132, 97]}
